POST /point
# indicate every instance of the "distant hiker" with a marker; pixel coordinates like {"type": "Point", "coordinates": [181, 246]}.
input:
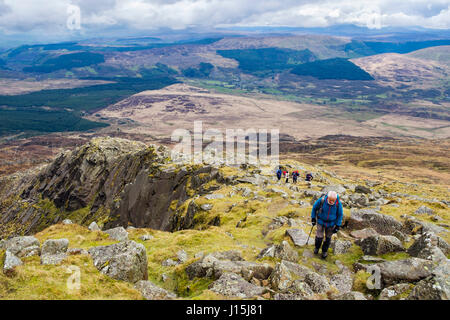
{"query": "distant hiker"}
{"type": "Point", "coordinates": [309, 177]}
{"type": "Point", "coordinates": [327, 212]}
{"type": "Point", "coordinates": [295, 176]}
{"type": "Point", "coordinates": [279, 173]}
{"type": "Point", "coordinates": [287, 176]}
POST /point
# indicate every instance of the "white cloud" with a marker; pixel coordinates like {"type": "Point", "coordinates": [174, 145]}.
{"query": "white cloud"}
{"type": "Point", "coordinates": [50, 15]}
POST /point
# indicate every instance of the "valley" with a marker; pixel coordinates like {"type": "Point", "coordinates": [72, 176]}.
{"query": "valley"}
{"type": "Point", "coordinates": [87, 179]}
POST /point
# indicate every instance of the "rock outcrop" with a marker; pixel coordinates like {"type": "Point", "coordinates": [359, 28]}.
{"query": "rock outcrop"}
{"type": "Point", "coordinates": [117, 181]}
{"type": "Point", "coordinates": [125, 261]}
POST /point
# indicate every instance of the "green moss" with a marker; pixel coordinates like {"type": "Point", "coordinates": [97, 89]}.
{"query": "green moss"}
{"type": "Point", "coordinates": [395, 256]}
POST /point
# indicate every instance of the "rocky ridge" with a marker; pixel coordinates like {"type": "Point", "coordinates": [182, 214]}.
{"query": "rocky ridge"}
{"type": "Point", "coordinates": [175, 232]}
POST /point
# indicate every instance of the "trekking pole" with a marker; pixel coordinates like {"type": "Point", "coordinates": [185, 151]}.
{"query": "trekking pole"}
{"type": "Point", "coordinates": [309, 235]}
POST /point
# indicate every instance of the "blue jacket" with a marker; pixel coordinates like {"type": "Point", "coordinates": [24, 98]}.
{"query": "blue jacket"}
{"type": "Point", "coordinates": [279, 173]}
{"type": "Point", "coordinates": [330, 215]}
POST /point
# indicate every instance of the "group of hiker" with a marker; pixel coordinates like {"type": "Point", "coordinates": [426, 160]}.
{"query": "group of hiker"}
{"type": "Point", "coordinates": [327, 213]}
{"type": "Point", "coordinates": [284, 174]}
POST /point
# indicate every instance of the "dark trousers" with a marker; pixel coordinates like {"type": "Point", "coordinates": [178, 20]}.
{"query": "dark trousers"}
{"type": "Point", "coordinates": [321, 232]}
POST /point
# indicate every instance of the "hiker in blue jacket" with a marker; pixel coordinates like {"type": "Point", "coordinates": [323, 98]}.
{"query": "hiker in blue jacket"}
{"type": "Point", "coordinates": [279, 173]}
{"type": "Point", "coordinates": [327, 212]}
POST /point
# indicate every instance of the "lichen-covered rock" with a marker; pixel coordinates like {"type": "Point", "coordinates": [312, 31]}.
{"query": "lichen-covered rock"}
{"type": "Point", "coordinates": [53, 252]}
{"type": "Point", "coordinates": [364, 233]}
{"type": "Point", "coordinates": [406, 270]}
{"type": "Point", "coordinates": [378, 245]}
{"type": "Point", "coordinates": [216, 264]}
{"type": "Point", "coordinates": [318, 283]}
{"type": "Point", "coordinates": [94, 227]}
{"type": "Point", "coordinates": [119, 234]}
{"type": "Point", "coordinates": [424, 244]}
{"type": "Point", "coordinates": [54, 246]}
{"type": "Point", "coordinates": [53, 259]}
{"type": "Point", "coordinates": [300, 289]}
{"type": "Point", "coordinates": [395, 292]}
{"type": "Point", "coordinates": [125, 261]}
{"type": "Point", "coordinates": [436, 286]}
{"type": "Point", "coordinates": [234, 286]}
{"type": "Point", "coordinates": [11, 261]}
{"type": "Point", "coordinates": [299, 237]}
{"type": "Point", "coordinates": [368, 218]}
{"type": "Point", "coordinates": [23, 246]}
{"type": "Point", "coordinates": [150, 291]}
{"type": "Point", "coordinates": [341, 246]}
{"type": "Point", "coordinates": [67, 222]}
{"type": "Point", "coordinates": [285, 273]}
{"type": "Point", "coordinates": [343, 281]}
{"type": "Point", "coordinates": [282, 251]}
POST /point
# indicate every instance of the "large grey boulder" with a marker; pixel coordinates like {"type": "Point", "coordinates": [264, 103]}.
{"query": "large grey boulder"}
{"type": "Point", "coordinates": [285, 273]}
{"type": "Point", "coordinates": [435, 287]}
{"type": "Point", "coordinates": [299, 237]}
{"type": "Point", "coordinates": [428, 240]}
{"type": "Point", "coordinates": [282, 251]}
{"type": "Point", "coordinates": [364, 233]}
{"type": "Point", "coordinates": [406, 270]}
{"type": "Point", "coordinates": [318, 283]}
{"type": "Point", "coordinates": [300, 290]}
{"type": "Point", "coordinates": [343, 280]}
{"type": "Point", "coordinates": [53, 252]}
{"type": "Point", "coordinates": [341, 246]}
{"type": "Point", "coordinates": [431, 289]}
{"type": "Point", "coordinates": [234, 286]}
{"type": "Point", "coordinates": [125, 261]}
{"type": "Point", "coordinates": [54, 246]}
{"type": "Point", "coordinates": [378, 245]}
{"type": "Point", "coordinates": [150, 291]}
{"type": "Point", "coordinates": [11, 261]}
{"type": "Point", "coordinates": [119, 234]}
{"type": "Point", "coordinates": [368, 218]}
{"type": "Point", "coordinates": [395, 292]}
{"type": "Point", "coordinates": [23, 246]}
{"type": "Point", "coordinates": [215, 265]}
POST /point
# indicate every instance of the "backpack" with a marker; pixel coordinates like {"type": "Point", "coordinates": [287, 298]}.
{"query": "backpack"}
{"type": "Point", "coordinates": [319, 209]}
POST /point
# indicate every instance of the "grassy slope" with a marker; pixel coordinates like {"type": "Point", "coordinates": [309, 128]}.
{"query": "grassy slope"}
{"type": "Point", "coordinates": [33, 281]}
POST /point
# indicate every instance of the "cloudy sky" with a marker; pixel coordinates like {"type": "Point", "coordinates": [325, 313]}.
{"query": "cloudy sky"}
{"type": "Point", "coordinates": [51, 17]}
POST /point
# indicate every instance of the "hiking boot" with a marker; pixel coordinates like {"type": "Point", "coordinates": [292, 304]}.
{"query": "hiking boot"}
{"type": "Point", "coordinates": [326, 245]}
{"type": "Point", "coordinates": [318, 243]}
